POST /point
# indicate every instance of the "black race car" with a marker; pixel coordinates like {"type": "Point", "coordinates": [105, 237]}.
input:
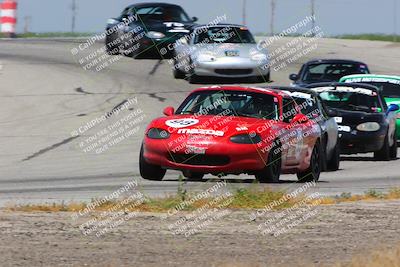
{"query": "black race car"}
{"type": "Point", "coordinates": [327, 70]}
{"type": "Point", "coordinates": [313, 107]}
{"type": "Point", "coordinates": [147, 30]}
{"type": "Point", "coordinates": [366, 123]}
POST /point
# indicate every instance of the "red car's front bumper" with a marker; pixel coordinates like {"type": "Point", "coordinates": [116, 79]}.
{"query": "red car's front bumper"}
{"type": "Point", "coordinates": [217, 158]}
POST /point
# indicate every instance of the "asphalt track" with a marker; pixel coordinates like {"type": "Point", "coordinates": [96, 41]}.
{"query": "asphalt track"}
{"type": "Point", "coordinates": [45, 94]}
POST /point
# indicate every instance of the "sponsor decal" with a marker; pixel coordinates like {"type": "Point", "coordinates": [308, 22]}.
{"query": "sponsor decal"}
{"type": "Point", "coordinates": [195, 150]}
{"type": "Point", "coordinates": [300, 145]}
{"type": "Point", "coordinates": [338, 119]}
{"type": "Point", "coordinates": [372, 79]}
{"type": "Point", "coordinates": [201, 131]}
{"type": "Point", "coordinates": [181, 123]}
{"type": "Point", "coordinates": [241, 128]}
{"type": "Point", "coordinates": [346, 90]}
{"type": "Point", "coordinates": [176, 27]}
{"type": "Point", "coordinates": [173, 24]}
{"type": "Point", "coordinates": [299, 94]}
{"type": "Point", "coordinates": [342, 128]}
{"type": "Point", "coordinates": [232, 53]}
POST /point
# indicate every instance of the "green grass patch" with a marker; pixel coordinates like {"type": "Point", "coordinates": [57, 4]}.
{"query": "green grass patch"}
{"type": "Point", "coordinates": [51, 35]}
{"type": "Point", "coordinates": [370, 37]}
{"type": "Point", "coordinates": [242, 198]}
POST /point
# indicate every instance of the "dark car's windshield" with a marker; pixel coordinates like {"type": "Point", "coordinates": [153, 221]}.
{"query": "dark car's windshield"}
{"type": "Point", "coordinates": [231, 103]}
{"type": "Point", "coordinates": [389, 90]}
{"type": "Point", "coordinates": [226, 34]}
{"type": "Point", "coordinates": [332, 72]}
{"type": "Point", "coordinates": [162, 13]}
{"type": "Point", "coordinates": [351, 99]}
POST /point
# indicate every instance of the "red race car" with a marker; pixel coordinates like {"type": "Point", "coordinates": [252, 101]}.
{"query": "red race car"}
{"type": "Point", "coordinates": [224, 130]}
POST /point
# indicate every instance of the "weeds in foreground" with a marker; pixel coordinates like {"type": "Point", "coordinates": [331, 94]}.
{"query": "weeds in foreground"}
{"type": "Point", "coordinates": [371, 37]}
{"type": "Point", "coordinates": [241, 199]}
{"type": "Point", "coordinates": [380, 258]}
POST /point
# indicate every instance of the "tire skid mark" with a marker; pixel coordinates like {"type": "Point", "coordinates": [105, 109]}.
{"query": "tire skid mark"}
{"type": "Point", "coordinates": [49, 148]}
{"type": "Point", "coordinates": [80, 90]}
{"type": "Point", "coordinates": [109, 114]}
{"type": "Point", "coordinates": [155, 67]}
{"type": "Point", "coordinates": [154, 95]}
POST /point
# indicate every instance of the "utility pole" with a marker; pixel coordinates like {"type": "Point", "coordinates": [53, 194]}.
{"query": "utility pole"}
{"type": "Point", "coordinates": [313, 17]}
{"type": "Point", "coordinates": [73, 8]}
{"type": "Point", "coordinates": [395, 20]}
{"type": "Point", "coordinates": [27, 20]}
{"type": "Point", "coordinates": [244, 11]}
{"type": "Point", "coordinates": [273, 5]}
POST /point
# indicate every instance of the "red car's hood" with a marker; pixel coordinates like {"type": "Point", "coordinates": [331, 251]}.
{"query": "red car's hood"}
{"type": "Point", "coordinates": [217, 126]}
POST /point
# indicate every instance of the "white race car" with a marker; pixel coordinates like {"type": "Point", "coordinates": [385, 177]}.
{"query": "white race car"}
{"type": "Point", "coordinates": [224, 50]}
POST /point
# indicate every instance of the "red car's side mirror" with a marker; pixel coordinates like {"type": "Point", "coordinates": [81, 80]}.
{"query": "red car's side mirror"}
{"type": "Point", "coordinates": [300, 118]}
{"type": "Point", "coordinates": [169, 111]}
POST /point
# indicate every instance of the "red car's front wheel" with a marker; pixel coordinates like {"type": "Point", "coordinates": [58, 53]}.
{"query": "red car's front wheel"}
{"type": "Point", "coordinates": [272, 170]}
{"type": "Point", "coordinates": [149, 171]}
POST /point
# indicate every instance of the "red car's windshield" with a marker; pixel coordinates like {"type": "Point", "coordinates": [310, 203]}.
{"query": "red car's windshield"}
{"type": "Point", "coordinates": [231, 103]}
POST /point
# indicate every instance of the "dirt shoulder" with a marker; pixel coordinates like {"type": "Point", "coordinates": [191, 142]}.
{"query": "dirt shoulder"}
{"type": "Point", "coordinates": [332, 234]}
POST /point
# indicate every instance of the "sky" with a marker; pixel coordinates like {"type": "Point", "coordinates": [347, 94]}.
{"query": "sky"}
{"type": "Point", "coordinates": [334, 17]}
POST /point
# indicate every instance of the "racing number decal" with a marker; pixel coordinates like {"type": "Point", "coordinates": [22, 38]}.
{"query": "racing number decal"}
{"type": "Point", "coordinates": [295, 145]}
{"type": "Point", "coordinates": [181, 123]}
{"type": "Point", "coordinates": [299, 143]}
{"type": "Point", "coordinates": [173, 24]}
{"type": "Point", "coordinates": [176, 27]}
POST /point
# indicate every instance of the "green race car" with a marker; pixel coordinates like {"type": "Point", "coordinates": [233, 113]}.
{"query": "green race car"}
{"type": "Point", "coordinates": [390, 86]}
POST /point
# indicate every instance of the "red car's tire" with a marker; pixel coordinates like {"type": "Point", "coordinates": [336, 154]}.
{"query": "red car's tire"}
{"type": "Point", "coordinates": [314, 170]}
{"type": "Point", "coordinates": [149, 171]}
{"type": "Point", "coordinates": [272, 170]}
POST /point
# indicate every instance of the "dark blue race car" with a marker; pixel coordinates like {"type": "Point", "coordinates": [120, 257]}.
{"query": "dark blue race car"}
{"type": "Point", "coordinates": [327, 70]}
{"type": "Point", "coordinates": [147, 30]}
{"type": "Point", "coordinates": [366, 123]}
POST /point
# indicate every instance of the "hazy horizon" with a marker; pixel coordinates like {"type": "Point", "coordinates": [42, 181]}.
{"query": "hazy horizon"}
{"type": "Point", "coordinates": [334, 17]}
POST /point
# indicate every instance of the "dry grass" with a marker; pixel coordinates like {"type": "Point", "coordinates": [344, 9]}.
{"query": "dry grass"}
{"type": "Point", "coordinates": [241, 199]}
{"type": "Point", "coordinates": [379, 258]}
{"type": "Point", "coordinates": [382, 258]}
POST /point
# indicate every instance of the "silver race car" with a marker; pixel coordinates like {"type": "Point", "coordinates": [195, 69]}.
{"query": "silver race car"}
{"type": "Point", "coordinates": [223, 50]}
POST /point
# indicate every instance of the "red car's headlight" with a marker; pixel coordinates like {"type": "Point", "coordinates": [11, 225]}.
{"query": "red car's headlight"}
{"type": "Point", "coordinates": [156, 133]}
{"type": "Point", "coordinates": [246, 139]}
